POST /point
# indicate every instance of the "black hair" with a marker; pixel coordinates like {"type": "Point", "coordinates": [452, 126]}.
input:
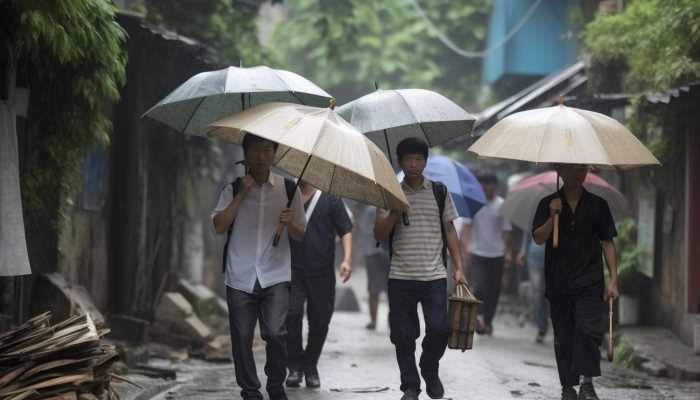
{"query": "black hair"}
{"type": "Point", "coordinates": [411, 145]}
{"type": "Point", "coordinates": [250, 139]}
{"type": "Point", "coordinates": [488, 178]}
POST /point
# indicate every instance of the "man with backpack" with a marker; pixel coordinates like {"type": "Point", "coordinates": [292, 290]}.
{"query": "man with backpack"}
{"type": "Point", "coordinates": [258, 274]}
{"type": "Point", "coordinates": [418, 239]}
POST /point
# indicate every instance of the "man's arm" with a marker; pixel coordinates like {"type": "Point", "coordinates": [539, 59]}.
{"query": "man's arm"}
{"type": "Point", "coordinates": [542, 233]}
{"type": "Point", "coordinates": [294, 218]}
{"type": "Point", "coordinates": [224, 218]}
{"type": "Point", "coordinates": [466, 242]}
{"type": "Point", "coordinates": [384, 225]}
{"type": "Point", "coordinates": [346, 264]}
{"type": "Point", "coordinates": [453, 245]}
{"type": "Point", "coordinates": [508, 240]}
{"type": "Point", "coordinates": [610, 254]}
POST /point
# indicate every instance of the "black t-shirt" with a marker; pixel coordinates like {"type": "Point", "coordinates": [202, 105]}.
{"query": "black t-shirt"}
{"type": "Point", "coordinates": [578, 262]}
{"type": "Point", "coordinates": [316, 253]}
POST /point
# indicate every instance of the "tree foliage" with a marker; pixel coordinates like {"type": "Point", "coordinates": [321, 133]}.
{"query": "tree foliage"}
{"type": "Point", "coordinates": [226, 27]}
{"type": "Point", "coordinates": [345, 46]}
{"type": "Point", "coordinates": [657, 41]}
{"type": "Point", "coordinates": [70, 55]}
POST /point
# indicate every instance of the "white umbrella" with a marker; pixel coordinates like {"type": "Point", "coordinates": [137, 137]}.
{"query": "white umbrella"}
{"type": "Point", "coordinates": [209, 96]}
{"type": "Point", "coordinates": [564, 135]}
{"type": "Point", "coordinates": [316, 144]}
{"type": "Point", "coordinates": [389, 116]}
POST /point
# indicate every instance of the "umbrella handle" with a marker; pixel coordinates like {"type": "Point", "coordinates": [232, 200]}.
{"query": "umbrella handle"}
{"type": "Point", "coordinates": [555, 239]}
{"type": "Point", "coordinates": [610, 329]}
{"type": "Point", "coordinates": [278, 235]}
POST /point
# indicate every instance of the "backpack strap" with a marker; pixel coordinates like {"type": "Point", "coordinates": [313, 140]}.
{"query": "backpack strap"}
{"type": "Point", "coordinates": [236, 187]}
{"type": "Point", "coordinates": [440, 193]}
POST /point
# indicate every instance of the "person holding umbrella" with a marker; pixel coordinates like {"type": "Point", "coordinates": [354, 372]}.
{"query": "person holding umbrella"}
{"type": "Point", "coordinates": [417, 239]}
{"type": "Point", "coordinates": [258, 274]}
{"type": "Point", "coordinates": [574, 276]}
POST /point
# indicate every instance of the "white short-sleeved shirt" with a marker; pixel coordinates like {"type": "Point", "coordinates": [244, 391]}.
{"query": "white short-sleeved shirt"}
{"type": "Point", "coordinates": [488, 226]}
{"type": "Point", "coordinates": [251, 255]}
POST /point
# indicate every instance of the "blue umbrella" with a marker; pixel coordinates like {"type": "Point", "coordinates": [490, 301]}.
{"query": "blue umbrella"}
{"type": "Point", "coordinates": [465, 188]}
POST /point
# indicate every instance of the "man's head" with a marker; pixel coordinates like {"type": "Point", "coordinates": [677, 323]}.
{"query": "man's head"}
{"type": "Point", "coordinates": [412, 154]}
{"type": "Point", "coordinates": [573, 174]}
{"type": "Point", "coordinates": [489, 182]}
{"type": "Point", "coordinates": [259, 153]}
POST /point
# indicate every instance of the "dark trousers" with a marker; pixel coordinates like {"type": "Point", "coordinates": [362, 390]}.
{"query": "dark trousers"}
{"type": "Point", "coordinates": [317, 292]}
{"type": "Point", "coordinates": [579, 322]}
{"type": "Point", "coordinates": [487, 276]}
{"type": "Point", "coordinates": [269, 306]}
{"type": "Point", "coordinates": [404, 296]}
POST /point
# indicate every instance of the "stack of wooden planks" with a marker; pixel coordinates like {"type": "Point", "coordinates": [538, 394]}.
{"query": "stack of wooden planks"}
{"type": "Point", "coordinates": [59, 362]}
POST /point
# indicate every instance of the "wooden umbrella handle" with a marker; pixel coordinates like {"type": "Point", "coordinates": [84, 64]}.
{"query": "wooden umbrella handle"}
{"type": "Point", "coordinates": [555, 239]}
{"type": "Point", "coordinates": [610, 330]}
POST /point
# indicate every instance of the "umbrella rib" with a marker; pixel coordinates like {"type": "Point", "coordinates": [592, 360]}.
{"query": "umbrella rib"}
{"type": "Point", "coordinates": [187, 124]}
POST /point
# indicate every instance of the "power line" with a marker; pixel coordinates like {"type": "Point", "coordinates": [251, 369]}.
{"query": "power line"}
{"type": "Point", "coordinates": [474, 54]}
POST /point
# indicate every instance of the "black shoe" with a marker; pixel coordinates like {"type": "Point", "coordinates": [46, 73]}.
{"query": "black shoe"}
{"type": "Point", "coordinates": [410, 394]}
{"type": "Point", "coordinates": [312, 379]}
{"type": "Point", "coordinates": [294, 378]}
{"type": "Point", "coordinates": [278, 395]}
{"type": "Point", "coordinates": [540, 338]}
{"type": "Point", "coordinates": [587, 392]}
{"type": "Point", "coordinates": [568, 393]}
{"type": "Point", "coordinates": [434, 388]}
{"type": "Point", "coordinates": [371, 326]}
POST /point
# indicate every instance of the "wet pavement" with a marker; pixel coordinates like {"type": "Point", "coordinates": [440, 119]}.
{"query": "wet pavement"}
{"type": "Point", "coordinates": [359, 364]}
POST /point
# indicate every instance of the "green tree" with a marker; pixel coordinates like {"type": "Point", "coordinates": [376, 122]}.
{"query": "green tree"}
{"type": "Point", "coordinates": [226, 27]}
{"type": "Point", "coordinates": [69, 53]}
{"type": "Point", "coordinates": [657, 42]}
{"type": "Point", "coordinates": [345, 46]}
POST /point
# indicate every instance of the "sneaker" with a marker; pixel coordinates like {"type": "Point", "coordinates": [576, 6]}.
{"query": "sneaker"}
{"type": "Point", "coordinates": [434, 388]}
{"type": "Point", "coordinates": [294, 378]}
{"type": "Point", "coordinates": [410, 394]}
{"type": "Point", "coordinates": [312, 379]}
{"type": "Point", "coordinates": [587, 392]}
{"type": "Point", "coordinates": [568, 393]}
{"type": "Point", "coordinates": [372, 326]}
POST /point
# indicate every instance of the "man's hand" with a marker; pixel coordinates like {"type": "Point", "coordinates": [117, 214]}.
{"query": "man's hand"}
{"type": "Point", "coordinates": [345, 271]}
{"type": "Point", "coordinates": [508, 258]}
{"type": "Point", "coordinates": [286, 216]}
{"type": "Point", "coordinates": [555, 207]}
{"type": "Point", "coordinates": [613, 292]}
{"type": "Point", "coordinates": [520, 260]}
{"type": "Point", "coordinates": [458, 276]}
{"type": "Point", "coordinates": [247, 183]}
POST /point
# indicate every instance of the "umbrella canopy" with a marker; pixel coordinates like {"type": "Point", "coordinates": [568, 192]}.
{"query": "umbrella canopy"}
{"type": "Point", "coordinates": [521, 203]}
{"type": "Point", "coordinates": [209, 96]}
{"type": "Point", "coordinates": [466, 191]}
{"type": "Point", "coordinates": [563, 134]}
{"type": "Point", "coordinates": [320, 147]}
{"type": "Point", "coordinates": [389, 116]}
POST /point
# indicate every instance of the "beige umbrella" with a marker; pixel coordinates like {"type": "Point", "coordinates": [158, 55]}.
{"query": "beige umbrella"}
{"type": "Point", "coordinates": [566, 135]}
{"type": "Point", "coordinates": [563, 135]}
{"type": "Point", "coordinates": [316, 144]}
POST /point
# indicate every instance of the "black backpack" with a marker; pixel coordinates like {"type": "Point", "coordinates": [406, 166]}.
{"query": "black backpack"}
{"type": "Point", "coordinates": [440, 193]}
{"type": "Point", "coordinates": [289, 185]}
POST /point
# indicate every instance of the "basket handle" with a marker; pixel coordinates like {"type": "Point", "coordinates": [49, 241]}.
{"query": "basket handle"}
{"type": "Point", "coordinates": [462, 290]}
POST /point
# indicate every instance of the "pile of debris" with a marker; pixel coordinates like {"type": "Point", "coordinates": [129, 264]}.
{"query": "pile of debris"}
{"type": "Point", "coordinates": [60, 362]}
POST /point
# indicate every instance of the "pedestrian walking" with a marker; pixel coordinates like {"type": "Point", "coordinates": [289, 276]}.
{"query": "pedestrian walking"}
{"type": "Point", "coordinates": [531, 255]}
{"type": "Point", "coordinates": [418, 239]}
{"type": "Point", "coordinates": [489, 238]}
{"type": "Point", "coordinates": [258, 274]}
{"type": "Point", "coordinates": [313, 281]}
{"type": "Point", "coordinates": [574, 281]}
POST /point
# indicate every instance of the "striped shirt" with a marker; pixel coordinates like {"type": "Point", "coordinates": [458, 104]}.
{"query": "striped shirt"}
{"type": "Point", "coordinates": [417, 247]}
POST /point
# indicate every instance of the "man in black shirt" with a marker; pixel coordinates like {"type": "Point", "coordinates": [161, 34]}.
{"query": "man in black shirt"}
{"type": "Point", "coordinates": [575, 284]}
{"type": "Point", "coordinates": [313, 280]}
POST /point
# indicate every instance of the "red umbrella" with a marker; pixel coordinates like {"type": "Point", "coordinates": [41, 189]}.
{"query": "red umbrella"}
{"type": "Point", "coordinates": [522, 200]}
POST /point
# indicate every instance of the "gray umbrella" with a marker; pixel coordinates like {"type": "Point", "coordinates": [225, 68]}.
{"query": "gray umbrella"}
{"type": "Point", "coordinates": [389, 116]}
{"type": "Point", "coordinates": [210, 96]}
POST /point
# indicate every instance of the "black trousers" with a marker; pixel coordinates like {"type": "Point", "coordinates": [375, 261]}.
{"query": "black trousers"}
{"type": "Point", "coordinates": [579, 323]}
{"type": "Point", "coordinates": [487, 278]}
{"type": "Point", "coordinates": [404, 296]}
{"type": "Point", "coordinates": [317, 293]}
{"type": "Point", "coordinates": [270, 307]}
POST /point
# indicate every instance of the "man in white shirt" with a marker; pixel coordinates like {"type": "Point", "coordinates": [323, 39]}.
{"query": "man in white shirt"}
{"type": "Point", "coordinates": [257, 274]}
{"type": "Point", "coordinates": [488, 242]}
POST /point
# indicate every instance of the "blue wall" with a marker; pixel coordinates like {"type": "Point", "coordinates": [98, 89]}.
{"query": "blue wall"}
{"type": "Point", "coordinates": [544, 44]}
